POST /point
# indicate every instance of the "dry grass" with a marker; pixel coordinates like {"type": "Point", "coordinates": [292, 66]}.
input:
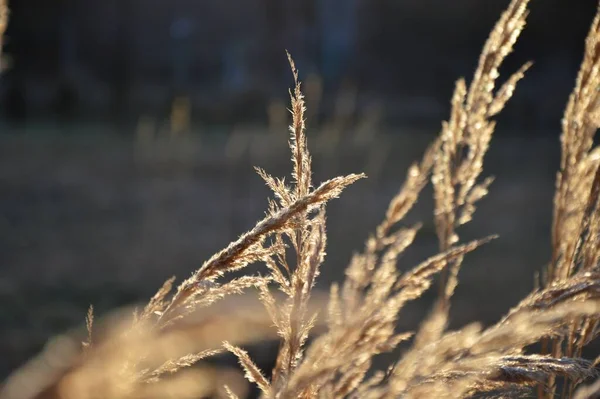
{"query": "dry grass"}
{"type": "Point", "coordinates": [151, 354]}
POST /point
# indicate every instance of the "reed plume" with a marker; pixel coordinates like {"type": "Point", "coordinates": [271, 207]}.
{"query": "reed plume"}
{"type": "Point", "coordinates": [161, 350]}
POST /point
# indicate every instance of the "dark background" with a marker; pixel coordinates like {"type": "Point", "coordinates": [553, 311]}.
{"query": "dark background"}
{"type": "Point", "coordinates": [130, 128]}
{"type": "Point", "coordinates": [80, 59]}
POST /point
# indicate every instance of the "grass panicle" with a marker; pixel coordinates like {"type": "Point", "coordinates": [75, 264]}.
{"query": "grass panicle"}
{"type": "Point", "coordinates": [162, 350]}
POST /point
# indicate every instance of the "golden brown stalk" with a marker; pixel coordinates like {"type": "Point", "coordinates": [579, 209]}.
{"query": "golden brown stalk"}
{"type": "Point", "coordinates": [340, 359]}
{"type": "Point", "coordinates": [436, 263]}
{"type": "Point", "coordinates": [534, 368]}
{"type": "Point", "coordinates": [308, 239]}
{"type": "Point", "coordinates": [234, 287]}
{"type": "Point", "coordinates": [158, 302]}
{"type": "Point", "coordinates": [580, 123]}
{"type": "Point", "coordinates": [306, 233]}
{"type": "Point", "coordinates": [118, 366]}
{"type": "Point", "coordinates": [173, 365]}
{"type": "Point", "coordinates": [479, 359]}
{"type": "Point", "coordinates": [576, 214]}
{"type": "Point", "coordinates": [253, 374]}
{"type": "Point", "coordinates": [546, 314]}
{"type": "Point", "coordinates": [151, 357]}
{"type": "Point", "coordinates": [374, 268]}
{"type": "Point", "coordinates": [583, 286]}
{"type": "Point", "coordinates": [89, 323]}
{"type": "Point", "coordinates": [416, 179]}
{"type": "Point", "coordinates": [466, 136]}
{"type": "Point", "coordinates": [248, 248]}
{"type": "Point", "coordinates": [230, 393]}
{"type": "Point", "coordinates": [360, 272]}
{"type": "Point", "coordinates": [300, 156]}
{"type": "Point", "coordinates": [296, 326]}
{"type": "Point", "coordinates": [495, 373]}
{"type": "Point", "coordinates": [463, 142]}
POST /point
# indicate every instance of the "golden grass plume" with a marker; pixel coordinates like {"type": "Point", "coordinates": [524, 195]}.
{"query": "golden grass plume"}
{"type": "Point", "coordinates": [161, 350]}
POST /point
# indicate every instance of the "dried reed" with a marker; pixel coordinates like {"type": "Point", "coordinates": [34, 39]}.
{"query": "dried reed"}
{"type": "Point", "coordinates": [151, 355]}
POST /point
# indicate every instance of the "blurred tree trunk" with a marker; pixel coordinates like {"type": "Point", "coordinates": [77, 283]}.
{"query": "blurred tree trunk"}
{"type": "Point", "coordinates": [274, 32]}
{"type": "Point", "coordinates": [16, 50]}
{"type": "Point", "coordinates": [121, 75]}
{"type": "Point", "coordinates": [316, 36]}
{"type": "Point", "coordinates": [66, 100]}
{"type": "Point", "coordinates": [339, 25]}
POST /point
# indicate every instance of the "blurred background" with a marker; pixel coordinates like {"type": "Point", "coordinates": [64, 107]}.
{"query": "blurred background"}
{"type": "Point", "coordinates": [129, 129]}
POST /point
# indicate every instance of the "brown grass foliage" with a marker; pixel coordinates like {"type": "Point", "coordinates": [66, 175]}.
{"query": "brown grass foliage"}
{"type": "Point", "coordinates": [150, 354]}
